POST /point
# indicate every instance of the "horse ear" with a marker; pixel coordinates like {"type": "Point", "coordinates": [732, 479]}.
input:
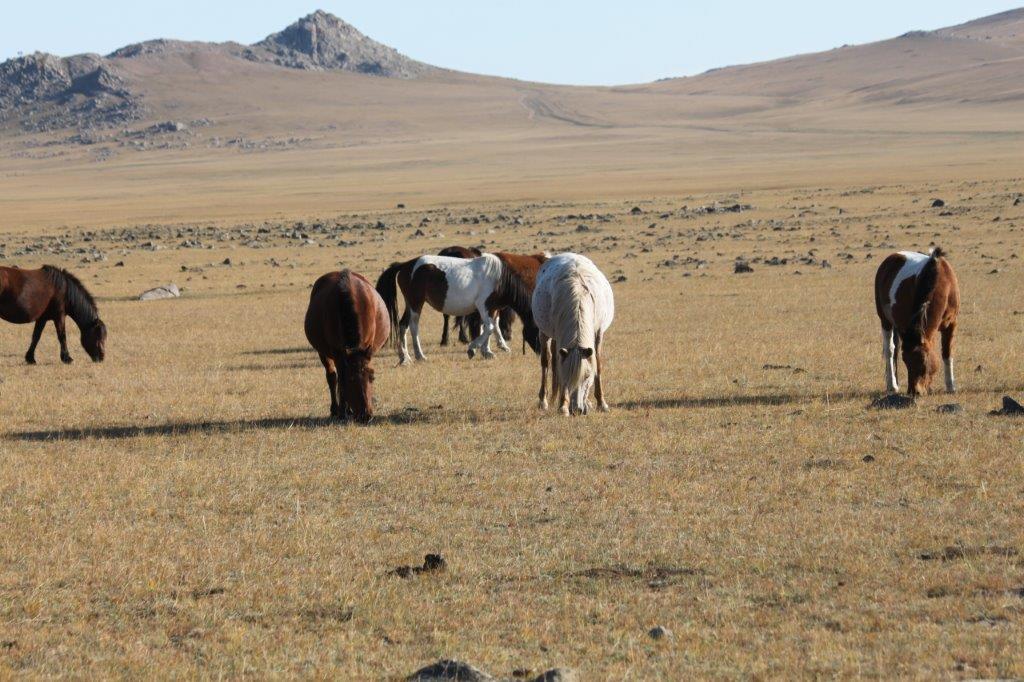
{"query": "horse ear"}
{"type": "Point", "coordinates": [587, 353]}
{"type": "Point", "coordinates": [564, 352]}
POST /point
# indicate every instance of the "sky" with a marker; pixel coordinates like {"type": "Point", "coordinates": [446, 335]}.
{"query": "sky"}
{"type": "Point", "coordinates": [585, 42]}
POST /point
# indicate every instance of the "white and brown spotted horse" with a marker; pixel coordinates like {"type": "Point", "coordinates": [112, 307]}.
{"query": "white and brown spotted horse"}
{"type": "Point", "coordinates": [456, 286]}
{"type": "Point", "coordinates": [917, 296]}
{"type": "Point", "coordinates": [471, 323]}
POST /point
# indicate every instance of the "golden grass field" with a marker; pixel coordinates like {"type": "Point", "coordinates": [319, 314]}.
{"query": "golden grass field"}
{"type": "Point", "coordinates": [186, 510]}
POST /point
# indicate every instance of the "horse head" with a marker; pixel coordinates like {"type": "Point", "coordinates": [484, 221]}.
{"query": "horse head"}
{"type": "Point", "coordinates": [357, 384]}
{"type": "Point", "coordinates": [94, 340]}
{"type": "Point", "coordinates": [577, 371]}
{"type": "Point", "coordinates": [922, 361]}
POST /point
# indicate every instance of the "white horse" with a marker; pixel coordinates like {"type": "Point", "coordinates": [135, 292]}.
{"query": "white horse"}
{"type": "Point", "coordinates": [457, 286]}
{"type": "Point", "coordinates": [573, 306]}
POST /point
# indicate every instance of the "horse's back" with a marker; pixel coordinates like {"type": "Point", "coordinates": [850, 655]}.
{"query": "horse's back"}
{"type": "Point", "coordinates": [345, 311]}
{"type": "Point", "coordinates": [554, 290]}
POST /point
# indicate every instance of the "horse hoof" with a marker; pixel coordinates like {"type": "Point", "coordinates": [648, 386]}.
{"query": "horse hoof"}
{"type": "Point", "coordinates": [421, 358]}
{"type": "Point", "coordinates": [543, 405]}
{"type": "Point", "coordinates": [488, 355]}
{"type": "Point", "coordinates": [471, 353]}
{"type": "Point", "coordinates": [67, 360]}
{"type": "Point", "coordinates": [564, 410]}
{"type": "Point", "coordinates": [604, 407]}
{"type": "Point", "coordinates": [30, 361]}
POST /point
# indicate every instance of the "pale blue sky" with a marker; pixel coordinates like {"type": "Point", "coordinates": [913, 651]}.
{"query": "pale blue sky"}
{"type": "Point", "coordinates": [562, 41]}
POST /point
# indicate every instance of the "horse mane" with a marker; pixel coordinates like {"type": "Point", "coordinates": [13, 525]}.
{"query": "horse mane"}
{"type": "Point", "coordinates": [349, 318]}
{"type": "Point", "coordinates": [926, 282]}
{"type": "Point", "coordinates": [81, 306]}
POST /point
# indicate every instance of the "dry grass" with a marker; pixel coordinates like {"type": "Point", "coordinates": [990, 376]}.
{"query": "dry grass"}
{"type": "Point", "coordinates": [185, 510]}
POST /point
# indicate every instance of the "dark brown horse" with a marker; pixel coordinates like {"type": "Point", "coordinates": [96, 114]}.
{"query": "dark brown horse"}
{"type": "Point", "coordinates": [346, 323]}
{"type": "Point", "coordinates": [46, 294]}
{"type": "Point", "coordinates": [458, 287]}
{"type": "Point", "coordinates": [472, 322]}
{"type": "Point", "coordinates": [917, 296]}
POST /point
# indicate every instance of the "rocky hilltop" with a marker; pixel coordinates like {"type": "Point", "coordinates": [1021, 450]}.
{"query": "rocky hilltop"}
{"type": "Point", "coordinates": [50, 93]}
{"type": "Point", "coordinates": [42, 92]}
{"type": "Point", "coordinates": [323, 41]}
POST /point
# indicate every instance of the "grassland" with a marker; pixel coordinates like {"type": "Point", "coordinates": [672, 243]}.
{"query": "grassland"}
{"type": "Point", "coordinates": [185, 509]}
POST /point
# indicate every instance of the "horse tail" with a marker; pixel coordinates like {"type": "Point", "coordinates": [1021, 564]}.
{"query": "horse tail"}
{"type": "Point", "coordinates": [926, 282]}
{"type": "Point", "coordinates": [387, 287]}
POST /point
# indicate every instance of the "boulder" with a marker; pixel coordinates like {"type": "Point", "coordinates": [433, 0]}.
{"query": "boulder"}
{"type": "Point", "coordinates": [165, 291]}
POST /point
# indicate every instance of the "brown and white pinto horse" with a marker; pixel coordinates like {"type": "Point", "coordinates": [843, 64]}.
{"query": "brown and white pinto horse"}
{"type": "Point", "coordinates": [472, 321]}
{"type": "Point", "coordinates": [46, 294]}
{"type": "Point", "coordinates": [457, 286]}
{"type": "Point", "coordinates": [917, 296]}
{"type": "Point", "coordinates": [346, 323]}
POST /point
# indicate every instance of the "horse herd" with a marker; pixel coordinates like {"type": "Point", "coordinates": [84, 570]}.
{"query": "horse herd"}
{"type": "Point", "coordinates": [565, 304]}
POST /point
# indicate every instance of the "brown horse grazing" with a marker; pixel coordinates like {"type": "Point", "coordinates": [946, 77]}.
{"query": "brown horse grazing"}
{"type": "Point", "coordinates": [506, 316]}
{"type": "Point", "coordinates": [46, 294]}
{"type": "Point", "coordinates": [916, 296]}
{"type": "Point", "coordinates": [457, 287]}
{"type": "Point", "coordinates": [346, 323]}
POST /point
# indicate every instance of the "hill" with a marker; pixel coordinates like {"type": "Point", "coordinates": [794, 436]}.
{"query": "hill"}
{"type": "Point", "coordinates": [320, 118]}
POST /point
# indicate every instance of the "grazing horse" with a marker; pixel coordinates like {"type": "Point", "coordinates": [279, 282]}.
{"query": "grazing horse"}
{"type": "Point", "coordinates": [506, 316]}
{"type": "Point", "coordinates": [346, 323]}
{"type": "Point", "coordinates": [457, 286]}
{"type": "Point", "coordinates": [573, 307]}
{"type": "Point", "coordinates": [917, 295]}
{"type": "Point", "coordinates": [50, 293]}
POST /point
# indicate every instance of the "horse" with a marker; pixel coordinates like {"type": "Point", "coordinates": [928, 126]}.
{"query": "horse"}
{"type": "Point", "coordinates": [472, 321]}
{"type": "Point", "coordinates": [51, 293]}
{"type": "Point", "coordinates": [573, 306]}
{"type": "Point", "coordinates": [346, 323]}
{"type": "Point", "coordinates": [917, 295]}
{"type": "Point", "coordinates": [457, 286]}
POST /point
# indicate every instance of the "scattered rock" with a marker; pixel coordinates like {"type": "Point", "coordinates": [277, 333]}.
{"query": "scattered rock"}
{"type": "Point", "coordinates": [1010, 408]}
{"type": "Point", "coordinates": [619, 280]}
{"type": "Point", "coordinates": [868, 459]}
{"type": "Point", "coordinates": [432, 563]}
{"type": "Point", "coordinates": [449, 671]}
{"type": "Point", "coordinates": [636, 210]}
{"type": "Point", "coordinates": [557, 675]}
{"type": "Point", "coordinates": [742, 267]}
{"type": "Point", "coordinates": [582, 228]}
{"type": "Point", "coordinates": [950, 408]}
{"type": "Point", "coordinates": [400, 206]}
{"type": "Point", "coordinates": [166, 291]}
{"type": "Point", "coordinates": [892, 401]}
{"type": "Point", "coordinates": [1018, 201]}
{"type": "Point", "coordinates": [938, 203]}
{"type": "Point", "coordinates": [659, 632]}
{"type": "Point", "coordinates": [226, 261]}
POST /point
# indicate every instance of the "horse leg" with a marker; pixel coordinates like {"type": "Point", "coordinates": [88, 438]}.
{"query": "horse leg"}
{"type": "Point", "coordinates": [557, 390]}
{"type": "Point", "coordinates": [62, 336]}
{"type": "Point", "coordinates": [37, 332]}
{"type": "Point", "coordinates": [414, 327]}
{"type": "Point", "coordinates": [332, 384]}
{"type": "Point", "coordinates": [598, 388]}
{"type": "Point", "coordinates": [889, 355]}
{"type": "Point", "coordinates": [460, 321]}
{"type": "Point", "coordinates": [483, 342]}
{"type": "Point", "coordinates": [545, 359]}
{"type": "Point", "coordinates": [444, 332]}
{"type": "Point", "coordinates": [403, 325]}
{"type": "Point", "coordinates": [502, 344]}
{"type": "Point", "coordinates": [947, 355]}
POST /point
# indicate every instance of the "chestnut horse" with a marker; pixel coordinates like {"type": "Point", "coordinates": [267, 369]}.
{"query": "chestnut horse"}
{"type": "Point", "coordinates": [346, 323]}
{"type": "Point", "coordinates": [458, 287]}
{"type": "Point", "coordinates": [46, 294]}
{"type": "Point", "coordinates": [917, 296]}
{"type": "Point", "coordinates": [573, 306]}
{"type": "Point", "coordinates": [472, 321]}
